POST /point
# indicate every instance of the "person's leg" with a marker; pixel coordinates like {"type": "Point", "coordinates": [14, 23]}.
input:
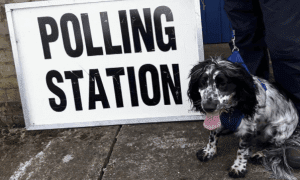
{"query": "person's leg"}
{"type": "Point", "coordinates": [283, 33]}
{"type": "Point", "coordinates": [282, 25]}
{"type": "Point", "coordinates": [247, 21]}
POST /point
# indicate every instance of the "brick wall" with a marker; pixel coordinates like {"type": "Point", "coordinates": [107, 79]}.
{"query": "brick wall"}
{"type": "Point", "coordinates": [10, 103]}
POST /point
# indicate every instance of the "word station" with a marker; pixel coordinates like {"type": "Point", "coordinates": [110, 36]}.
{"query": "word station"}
{"type": "Point", "coordinates": [141, 32]}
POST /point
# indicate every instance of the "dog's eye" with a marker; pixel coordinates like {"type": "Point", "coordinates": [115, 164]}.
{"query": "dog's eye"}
{"type": "Point", "coordinates": [222, 84]}
{"type": "Point", "coordinates": [221, 80]}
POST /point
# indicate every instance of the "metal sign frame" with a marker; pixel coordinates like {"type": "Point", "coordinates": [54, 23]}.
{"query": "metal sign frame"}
{"type": "Point", "coordinates": [21, 74]}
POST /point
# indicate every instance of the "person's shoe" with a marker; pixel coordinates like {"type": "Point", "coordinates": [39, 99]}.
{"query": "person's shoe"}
{"type": "Point", "coordinates": [293, 155]}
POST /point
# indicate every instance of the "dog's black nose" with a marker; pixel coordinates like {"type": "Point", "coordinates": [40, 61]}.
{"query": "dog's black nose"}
{"type": "Point", "coordinates": [210, 106]}
{"type": "Point", "coordinates": [209, 109]}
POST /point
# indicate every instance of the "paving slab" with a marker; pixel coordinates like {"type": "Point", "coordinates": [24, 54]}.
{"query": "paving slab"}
{"type": "Point", "coordinates": [79, 153]}
{"type": "Point", "coordinates": [168, 151]}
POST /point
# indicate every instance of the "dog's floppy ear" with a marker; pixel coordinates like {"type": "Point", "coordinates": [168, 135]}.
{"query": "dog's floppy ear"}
{"type": "Point", "coordinates": [193, 87]}
{"type": "Point", "coordinates": [245, 92]}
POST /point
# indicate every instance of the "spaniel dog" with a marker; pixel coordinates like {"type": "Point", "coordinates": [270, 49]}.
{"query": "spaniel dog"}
{"type": "Point", "coordinates": [219, 86]}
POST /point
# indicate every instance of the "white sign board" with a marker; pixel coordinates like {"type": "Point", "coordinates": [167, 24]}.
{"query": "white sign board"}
{"type": "Point", "coordinates": [93, 63]}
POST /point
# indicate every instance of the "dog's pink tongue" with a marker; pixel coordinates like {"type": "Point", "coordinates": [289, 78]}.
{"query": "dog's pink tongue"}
{"type": "Point", "coordinates": [212, 121]}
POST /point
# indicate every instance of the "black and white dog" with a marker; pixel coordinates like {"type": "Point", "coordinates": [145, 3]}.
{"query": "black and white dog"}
{"type": "Point", "coordinates": [217, 85]}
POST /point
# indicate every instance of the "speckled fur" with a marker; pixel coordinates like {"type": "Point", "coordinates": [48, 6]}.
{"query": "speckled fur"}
{"type": "Point", "coordinates": [267, 112]}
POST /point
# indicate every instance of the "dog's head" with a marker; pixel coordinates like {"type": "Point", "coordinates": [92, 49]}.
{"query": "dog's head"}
{"type": "Point", "coordinates": [217, 84]}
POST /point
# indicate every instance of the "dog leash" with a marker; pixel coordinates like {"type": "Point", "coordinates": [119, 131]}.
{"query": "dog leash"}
{"type": "Point", "coordinates": [232, 119]}
{"type": "Point", "coordinates": [237, 58]}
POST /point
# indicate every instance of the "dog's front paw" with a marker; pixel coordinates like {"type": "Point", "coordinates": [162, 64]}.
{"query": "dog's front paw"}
{"type": "Point", "coordinates": [204, 156]}
{"type": "Point", "coordinates": [237, 172]}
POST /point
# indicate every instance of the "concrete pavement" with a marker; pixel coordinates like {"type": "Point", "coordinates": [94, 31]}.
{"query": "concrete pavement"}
{"type": "Point", "coordinates": [168, 151]}
{"type": "Point", "coordinates": [79, 153]}
{"type": "Point", "coordinates": [140, 151]}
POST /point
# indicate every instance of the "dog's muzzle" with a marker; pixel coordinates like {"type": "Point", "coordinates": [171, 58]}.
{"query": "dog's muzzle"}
{"type": "Point", "coordinates": [210, 105]}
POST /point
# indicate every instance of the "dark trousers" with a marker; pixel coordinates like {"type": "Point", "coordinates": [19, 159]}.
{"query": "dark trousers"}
{"type": "Point", "coordinates": [269, 24]}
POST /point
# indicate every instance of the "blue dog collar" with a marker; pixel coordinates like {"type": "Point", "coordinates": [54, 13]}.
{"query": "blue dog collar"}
{"type": "Point", "coordinates": [231, 120]}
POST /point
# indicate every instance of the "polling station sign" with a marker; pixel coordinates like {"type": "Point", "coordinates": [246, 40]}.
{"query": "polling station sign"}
{"type": "Point", "coordinates": [94, 63]}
